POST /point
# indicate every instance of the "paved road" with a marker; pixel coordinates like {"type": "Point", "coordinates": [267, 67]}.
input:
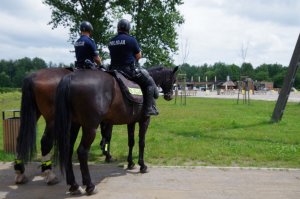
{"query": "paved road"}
{"type": "Point", "coordinates": [114, 182]}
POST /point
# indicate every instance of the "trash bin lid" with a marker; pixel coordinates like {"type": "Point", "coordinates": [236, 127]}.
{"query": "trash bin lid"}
{"type": "Point", "coordinates": [13, 111]}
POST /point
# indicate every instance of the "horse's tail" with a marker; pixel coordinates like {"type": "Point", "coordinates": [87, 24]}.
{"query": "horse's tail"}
{"type": "Point", "coordinates": [62, 122]}
{"type": "Point", "coordinates": [26, 141]}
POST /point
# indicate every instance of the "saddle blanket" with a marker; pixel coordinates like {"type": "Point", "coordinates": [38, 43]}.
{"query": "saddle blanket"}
{"type": "Point", "coordinates": [131, 90]}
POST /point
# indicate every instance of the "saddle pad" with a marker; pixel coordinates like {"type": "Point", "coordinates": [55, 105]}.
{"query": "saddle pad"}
{"type": "Point", "coordinates": [131, 90]}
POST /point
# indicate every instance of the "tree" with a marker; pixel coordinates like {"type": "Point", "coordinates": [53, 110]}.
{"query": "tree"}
{"type": "Point", "coordinates": [5, 66]}
{"type": "Point", "coordinates": [70, 14]}
{"type": "Point", "coordinates": [244, 51]}
{"type": "Point", "coordinates": [279, 78]}
{"type": "Point", "coordinates": [297, 80]}
{"type": "Point", "coordinates": [12, 73]}
{"type": "Point", "coordinates": [247, 70]}
{"type": "Point", "coordinates": [234, 72]}
{"type": "Point", "coordinates": [185, 50]}
{"type": "Point", "coordinates": [221, 71]}
{"type": "Point", "coordinates": [155, 28]}
{"type": "Point", "coordinates": [190, 71]}
{"type": "Point", "coordinates": [274, 69]}
{"type": "Point", "coordinates": [262, 76]}
{"type": "Point", "coordinates": [154, 23]}
{"type": "Point", "coordinates": [262, 73]}
{"type": "Point", "coordinates": [38, 63]}
{"type": "Point", "coordinates": [203, 69]}
{"type": "Point", "coordinates": [4, 80]}
{"type": "Point", "coordinates": [210, 74]}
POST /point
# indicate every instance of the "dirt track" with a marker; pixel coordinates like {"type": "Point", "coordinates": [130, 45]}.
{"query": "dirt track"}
{"type": "Point", "coordinates": [114, 182]}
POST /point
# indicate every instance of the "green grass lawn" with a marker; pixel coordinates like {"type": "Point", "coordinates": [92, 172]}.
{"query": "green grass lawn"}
{"type": "Point", "coordinates": [215, 132]}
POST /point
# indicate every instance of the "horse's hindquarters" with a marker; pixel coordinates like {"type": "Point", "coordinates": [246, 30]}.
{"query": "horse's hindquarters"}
{"type": "Point", "coordinates": [91, 95]}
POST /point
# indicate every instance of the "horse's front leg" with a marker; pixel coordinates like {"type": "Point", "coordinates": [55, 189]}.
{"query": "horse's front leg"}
{"type": "Point", "coordinates": [142, 134]}
{"type": "Point", "coordinates": [130, 130]}
{"type": "Point", "coordinates": [88, 136]}
{"type": "Point", "coordinates": [106, 133]}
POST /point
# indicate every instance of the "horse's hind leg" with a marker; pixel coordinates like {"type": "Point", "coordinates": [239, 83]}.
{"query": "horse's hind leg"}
{"type": "Point", "coordinates": [130, 130]}
{"type": "Point", "coordinates": [142, 133]}
{"type": "Point", "coordinates": [19, 167]}
{"type": "Point", "coordinates": [88, 136]}
{"type": "Point", "coordinates": [74, 189]}
{"type": "Point", "coordinates": [46, 146]}
{"type": "Point", "coordinates": [20, 177]}
{"type": "Point", "coordinates": [106, 132]}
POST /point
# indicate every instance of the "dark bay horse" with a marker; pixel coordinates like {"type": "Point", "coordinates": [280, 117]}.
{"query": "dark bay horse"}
{"type": "Point", "coordinates": [87, 98]}
{"type": "Point", "coordinates": [38, 95]}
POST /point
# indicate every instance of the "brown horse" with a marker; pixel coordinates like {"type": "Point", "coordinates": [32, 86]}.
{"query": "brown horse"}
{"type": "Point", "coordinates": [38, 95]}
{"type": "Point", "coordinates": [87, 98]}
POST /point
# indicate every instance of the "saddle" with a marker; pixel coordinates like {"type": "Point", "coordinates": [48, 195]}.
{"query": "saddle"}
{"type": "Point", "coordinates": [131, 90]}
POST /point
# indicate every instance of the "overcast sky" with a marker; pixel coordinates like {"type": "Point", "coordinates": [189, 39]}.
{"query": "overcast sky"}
{"type": "Point", "coordinates": [214, 30]}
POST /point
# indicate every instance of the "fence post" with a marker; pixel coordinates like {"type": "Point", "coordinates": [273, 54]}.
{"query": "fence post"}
{"type": "Point", "coordinates": [287, 84]}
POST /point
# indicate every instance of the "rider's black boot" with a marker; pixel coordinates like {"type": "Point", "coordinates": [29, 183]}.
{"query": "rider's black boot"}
{"type": "Point", "coordinates": [149, 102]}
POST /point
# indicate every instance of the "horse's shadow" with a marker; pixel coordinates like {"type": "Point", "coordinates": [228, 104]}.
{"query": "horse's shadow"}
{"type": "Point", "coordinates": [37, 188]}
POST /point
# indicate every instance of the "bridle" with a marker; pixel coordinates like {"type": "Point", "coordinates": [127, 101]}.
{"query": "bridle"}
{"type": "Point", "coordinates": [168, 92]}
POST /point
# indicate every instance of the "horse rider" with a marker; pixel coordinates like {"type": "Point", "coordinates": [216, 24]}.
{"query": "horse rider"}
{"type": "Point", "coordinates": [85, 48]}
{"type": "Point", "coordinates": [125, 53]}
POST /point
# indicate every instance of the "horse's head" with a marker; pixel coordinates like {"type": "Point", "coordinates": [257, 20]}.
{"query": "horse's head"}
{"type": "Point", "coordinates": [165, 78]}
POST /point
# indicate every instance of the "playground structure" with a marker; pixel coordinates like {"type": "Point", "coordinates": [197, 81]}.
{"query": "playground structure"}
{"type": "Point", "coordinates": [181, 83]}
{"type": "Point", "coordinates": [245, 87]}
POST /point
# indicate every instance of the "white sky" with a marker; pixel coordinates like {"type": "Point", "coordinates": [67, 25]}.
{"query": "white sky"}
{"type": "Point", "coordinates": [214, 30]}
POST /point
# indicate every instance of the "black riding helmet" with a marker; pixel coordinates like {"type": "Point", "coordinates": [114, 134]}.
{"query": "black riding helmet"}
{"type": "Point", "coordinates": [86, 26]}
{"type": "Point", "coordinates": [124, 25]}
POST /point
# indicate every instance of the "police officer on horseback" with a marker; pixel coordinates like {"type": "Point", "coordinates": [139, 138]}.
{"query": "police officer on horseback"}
{"type": "Point", "coordinates": [125, 53]}
{"type": "Point", "coordinates": [85, 48]}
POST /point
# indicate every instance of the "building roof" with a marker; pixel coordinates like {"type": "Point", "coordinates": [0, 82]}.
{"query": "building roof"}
{"type": "Point", "coordinates": [228, 83]}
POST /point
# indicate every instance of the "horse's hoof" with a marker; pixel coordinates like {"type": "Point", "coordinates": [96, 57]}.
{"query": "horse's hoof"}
{"type": "Point", "coordinates": [109, 159]}
{"type": "Point", "coordinates": [49, 177]}
{"type": "Point", "coordinates": [144, 169]}
{"type": "Point", "coordinates": [75, 190]}
{"type": "Point", "coordinates": [90, 190]}
{"type": "Point", "coordinates": [21, 179]}
{"type": "Point", "coordinates": [131, 166]}
{"type": "Point", "coordinates": [53, 181]}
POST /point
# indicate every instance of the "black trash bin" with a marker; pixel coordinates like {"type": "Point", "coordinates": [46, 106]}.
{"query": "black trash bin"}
{"type": "Point", "coordinates": [11, 126]}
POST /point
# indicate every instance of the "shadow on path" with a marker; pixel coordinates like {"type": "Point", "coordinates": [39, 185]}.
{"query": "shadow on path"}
{"type": "Point", "coordinates": [37, 188]}
{"type": "Point", "coordinates": [113, 182]}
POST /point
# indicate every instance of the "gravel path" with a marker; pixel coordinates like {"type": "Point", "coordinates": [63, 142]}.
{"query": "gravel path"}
{"type": "Point", "coordinates": [114, 182]}
{"type": "Point", "coordinates": [267, 96]}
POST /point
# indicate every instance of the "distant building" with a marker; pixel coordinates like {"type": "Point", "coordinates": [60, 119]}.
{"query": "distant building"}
{"type": "Point", "coordinates": [263, 85]}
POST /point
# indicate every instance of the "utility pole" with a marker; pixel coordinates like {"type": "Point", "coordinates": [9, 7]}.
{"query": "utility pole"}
{"type": "Point", "coordinates": [287, 84]}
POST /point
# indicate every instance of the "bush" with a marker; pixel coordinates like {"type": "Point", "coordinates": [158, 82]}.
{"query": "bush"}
{"type": "Point", "coordinates": [8, 90]}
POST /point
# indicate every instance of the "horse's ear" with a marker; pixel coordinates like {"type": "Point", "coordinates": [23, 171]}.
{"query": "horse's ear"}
{"type": "Point", "coordinates": [175, 69]}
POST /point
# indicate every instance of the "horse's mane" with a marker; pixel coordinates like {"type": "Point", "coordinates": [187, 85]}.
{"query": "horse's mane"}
{"type": "Point", "coordinates": [155, 68]}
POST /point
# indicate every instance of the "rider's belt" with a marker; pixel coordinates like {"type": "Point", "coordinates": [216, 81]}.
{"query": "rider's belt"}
{"type": "Point", "coordinates": [121, 67]}
{"type": "Point", "coordinates": [80, 65]}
